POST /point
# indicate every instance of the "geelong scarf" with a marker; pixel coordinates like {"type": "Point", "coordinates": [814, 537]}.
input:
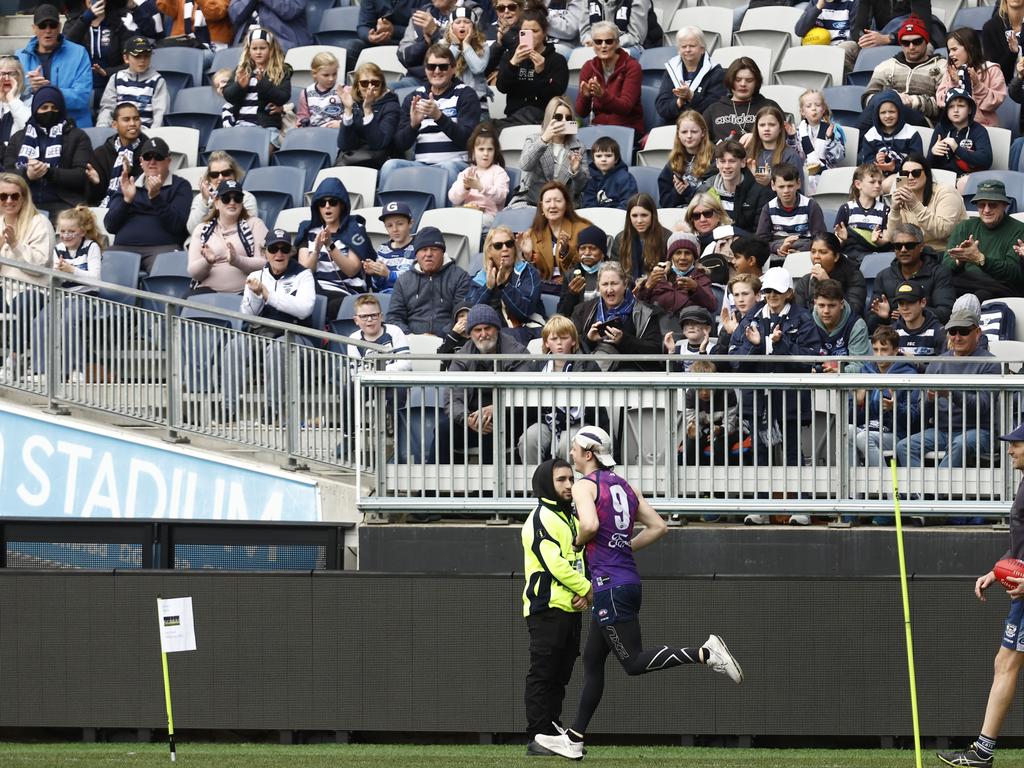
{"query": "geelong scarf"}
{"type": "Point", "coordinates": [123, 154]}
{"type": "Point", "coordinates": [244, 234]}
{"type": "Point", "coordinates": [39, 144]}
{"type": "Point", "coordinates": [195, 22]}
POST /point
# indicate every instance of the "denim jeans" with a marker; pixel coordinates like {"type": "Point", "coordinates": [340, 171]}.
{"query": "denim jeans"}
{"type": "Point", "coordinates": [910, 450]}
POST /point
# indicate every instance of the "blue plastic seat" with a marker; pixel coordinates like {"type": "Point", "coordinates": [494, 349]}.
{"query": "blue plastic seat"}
{"type": "Point", "coordinates": [867, 60]}
{"type": "Point", "coordinates": [875, 263]}
{"type": "Point", "coordinates": [201, 99]}
{"type": "Point", "coordinates": [308, 149]}
{"type": "Point", "coordinates": [625, 137]}
{"type": "Point", "coordinates": [646, 180]}
{"type": "Point", "coordinates": [203, 307]}
{"type": "Point", "coordinates": [845, 103]}
{"type": "Point", "coordinates": [338, 26]}
{"type": "Point", "coordinates": [974, 18]}
{"type": "Point", "coordinates": [516, 219]}
{"type": "Point", "coordinates": [649, 99]}
{"type": "Point", "coordinates": [652, 62]}
{"type": "Point", "coordinates": [249, 145]}
{"type": "Point", "coordinates": [98, 134]}
{"type": "Point", "coordinates": [276, 188]}
{"type": "Point", "coordinates": [549, 302]}
{"type": "Point", "coordinates": [119, 268]}
{"type": "Point", "coordinates": [187, 62]}
{"type": "Point", "coordinates": [205, 124]}
{"type": "Point", "coordinates": [1013, 180]}
{"type": "Point", "coordinates": [1009, 116]}
{"type": "Point", "coordinates": [315, 10]}
{"type": "Point", "coordinates": [226, 58]}
{"type": "Point", "coordinates": [169, 277]}
{"type": "Point", "coordinates": [422, 180]}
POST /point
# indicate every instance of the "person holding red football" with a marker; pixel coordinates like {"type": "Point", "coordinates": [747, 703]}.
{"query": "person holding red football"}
{"type": "Point", "coordinates": [1010, 657]}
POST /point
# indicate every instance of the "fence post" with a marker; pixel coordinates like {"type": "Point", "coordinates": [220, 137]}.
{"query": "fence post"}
{"type": "Point", "coordinates": [290, 406]}
{"type": "Point", "coordinates": [52, 353]}
{"type": "Point", "coordinates": [172, 345]}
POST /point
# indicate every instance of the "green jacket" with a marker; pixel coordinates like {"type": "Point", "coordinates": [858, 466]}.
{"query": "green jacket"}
{"type": "Point", "coordinates": [554, 570]}
{"type": "Point", "coordinates": [1001, 262]}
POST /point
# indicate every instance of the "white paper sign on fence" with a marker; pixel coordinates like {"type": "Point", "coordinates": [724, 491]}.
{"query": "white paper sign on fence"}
{"type": "Point", "coordinates": [177, 630]}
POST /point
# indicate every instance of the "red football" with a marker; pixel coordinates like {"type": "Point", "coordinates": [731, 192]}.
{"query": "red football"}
{"type": "Point", "coordinates": [1008, 567]}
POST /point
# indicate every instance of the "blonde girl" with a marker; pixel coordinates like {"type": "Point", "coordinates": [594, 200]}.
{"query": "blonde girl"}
{"type": "Point", "coordinates": [319, 104]}
{"type": "Point", "coordinates": [861, 222]}
{"type": "Point", "coordinates": [12, 84]}
{"type": "Point", "coordinates": [469, 47]}
{"type": "Point", "coordinates": [691, 161]}
{"type": "Point", "coordinates": [770, 145]}
{"type": "Point", "coordinates": [261, 86]}
{"type": "Point", "coordinates": [820, 142]}
{"type": "Point", "coordinates": [79, 249]}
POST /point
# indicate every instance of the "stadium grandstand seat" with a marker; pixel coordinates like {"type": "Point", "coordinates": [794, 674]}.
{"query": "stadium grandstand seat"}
{"type": "Point", "coordinates": [769, 27]}
{"type": "Point", "coordinates": [611, 220]}
{"type": "Point", "coordinates": [515, 176]}
{"type": "Point", "coordinates": [119, 268]}
{"type": "Point", "coordinates": [462, 229]}
{"type": "Point", "coordinates": [169, 277]}
{"type": "Point", "coordinates": [385, 57]}
{"type": "Point", "coordinates": [1008, 350]}
{"type": "Point", "coordinates": [1009, 116]}
{"type": "Point", "coordinates": [713, 20]}
{"type": "Point", "coordinates": [276, 188]}
{"type": "Point", "coordinates": [844, 103]}
{"type": "Point", "coordinates": [423, 344]}
{"type": "Point", "coordinates": [649, 100]}
{"type": "Point", "coordinates": [1016, 305]}
{"type": "Point", "coordinates": [496, 104]}
{"type": "Point", "coordinates": [536, 346]}
{"type": "Point", "coordinates": [194, 176]}
{"type": "Point", "coordinates": [338, 26]}
{"type": "Point", "coordinates": [948, 9]}
{"type": "Point", "coordinates": [549, 302]}
{"type": "Point", "coordinates": [624, 137]}
{"type": "Point", "coordinates": [926, 136]}
{"type": "Point", "coordinates": [183, 142]}
{"type": "Point", "coordinates": [652, 61]}
{"type": "Point", "coordinates": [852, 146]}
{"type": "Point", "coordinates": [315, 10]}
{"type": "Point", "coordinates": [577, 59]}
{"type": "Point", "coordinates": [513, 139]}
{"type": "Point", "coordinates": [203, 306]}
{"type": "Point", "coordinates": [180, 67]}
{"type": "Point", "coordinates": [198, 108]}
{"type": "Point", "coordinates": [290, 219]}
{"type": "Point", "coordinates": [360, 182]}
{"type": "Point", "coordinates": [797, 263]}
{"type": "Point", "coordinates": [474, 265]}
{"type": "Point", "coordinates": [248, 145]}
{"type": "Point", "coordinates": [834, 187]}
{"type": "Point", "coordinates": [669, 217]}
{"type": "Point", "coordinates": [344, 322]}
{"type": "Point", "coordinates": [1001, 139]}
{"type": "Point", "coordinates": [98, 134]}
{"type": "Point", "coordinates": [420, 187]}
{"type": "Point", "coordinates": [1013, 180]}
{"type": "Point", "coordinates": [571, 92]}
{"type": "Point", "coordinates": [516, 219]}
{"type": "Point", "coordinates": [301, 57]}
{"type": "Point", "coordinates": [867, 60]}
{"type": "Point", "coordinates": [308, 149]}
{"type": "Point", "coordinates": [226, 58]}
{"type": "Point", "coordinates": [829, 215]}
{"type": "Point", "coordinates": [874, 263]}
{"type": "Point", "coordinates": [940, 176]}
{"type": "Point", "coordinates": [658, 147]}
{"type": "Point", "coordinates": [762, 57]}
{"type": "Point", "coordinates": [811, 66]}
{"type": "Point", "coordinates": [974, 18]}
{"type": "Point", "coordinates": [99, 214]}
{"type": "Point", "coordinates": [646, 179]}
{"type": "Point", "coordinates": [374, 226]}
{"type": "Point", "coordinates": [786, 96]}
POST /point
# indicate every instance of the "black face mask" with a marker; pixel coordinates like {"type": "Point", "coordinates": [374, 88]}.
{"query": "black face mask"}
{"type": "Point", "coordinates": [47, 119]}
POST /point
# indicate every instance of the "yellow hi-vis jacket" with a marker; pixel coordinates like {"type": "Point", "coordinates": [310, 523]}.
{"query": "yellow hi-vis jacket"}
{"type": "Point", "coordinates": [554, 570]}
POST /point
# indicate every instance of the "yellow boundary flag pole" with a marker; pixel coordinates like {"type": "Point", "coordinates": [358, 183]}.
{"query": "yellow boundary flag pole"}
{"type": "Point", "coordinates": [906, 616]}
{"type": "Point", "coordinates": [167, 694]}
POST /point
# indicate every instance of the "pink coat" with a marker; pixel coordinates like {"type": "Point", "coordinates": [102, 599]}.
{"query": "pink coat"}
{"type": "Point", "coordinates": [990, 93]}
{"type": "Point", "coordinates": [491, 198]}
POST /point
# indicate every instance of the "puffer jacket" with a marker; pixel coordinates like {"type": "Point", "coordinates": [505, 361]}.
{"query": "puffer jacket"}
{"type": "Point", "coordinates": [423, 303]}
{"type": "Point", "coordinates": [919, 81]}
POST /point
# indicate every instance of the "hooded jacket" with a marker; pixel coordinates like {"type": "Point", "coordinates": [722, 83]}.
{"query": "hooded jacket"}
{"type": "Point", "coordinates": [66, 182]}
{"type": "Point", "coordinates": [933, 279]}
{"type": "Point", "coordinates": [710, 87]}
{"type": "Point", "coordinates": [974, 149]}
{"type": "Point", "coordinates": [849, 337]}
{"type": "Point", "coordinates": [350, 235]}
{"type": "Point", "coordinates": [620, 102]}
{"type": "Point", "coordinates": [555, 571]}
{"type": "Point", "coordinates": [70, 71]}
{"type": "Point", "coordinates": [524, 87]}
{"type": "Point", "coordinates": [919, 81]}
{"type": "Point", "coordinates": [376, 134]}
{"type": "Point", "coordinates": [898, 141]}
{"type": "Point", "coordinates": [609, 190]}
{"type": "Point", "coordinates": [849, 276]}
{"type": "Point", "coordinates": [927, 341]}
{"type": "Point", "coordinates": [422, 303]}
{"type": "Point", "coordinates": [285, 18]}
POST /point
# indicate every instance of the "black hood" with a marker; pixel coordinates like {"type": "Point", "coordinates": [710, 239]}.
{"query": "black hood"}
{"type": "Point", "coordinates": [544, 487]}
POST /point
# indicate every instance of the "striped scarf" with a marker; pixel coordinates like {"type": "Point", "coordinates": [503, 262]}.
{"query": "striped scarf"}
{"type": "Point", "coordinates": [244, 234]}
{"type": "Point", "coordinates": [195, 22]}
{"type": "Point", "coordinates": [48, 150]}
{"type": "Point", "coordinates": [122, 154]}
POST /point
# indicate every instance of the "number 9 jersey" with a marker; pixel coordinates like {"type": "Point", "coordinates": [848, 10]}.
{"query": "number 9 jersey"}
{"type": "Point", "coordinates": [610, 552]}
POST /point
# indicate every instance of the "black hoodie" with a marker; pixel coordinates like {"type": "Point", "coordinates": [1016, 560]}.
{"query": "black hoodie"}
{"type": "Point", "coordinates": [544, 487]}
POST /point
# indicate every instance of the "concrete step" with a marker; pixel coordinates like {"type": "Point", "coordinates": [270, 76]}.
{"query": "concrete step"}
{"type": "Point", "coordinates": [16, 25]}
{"type": "Point", "coordinates": [11, 44]}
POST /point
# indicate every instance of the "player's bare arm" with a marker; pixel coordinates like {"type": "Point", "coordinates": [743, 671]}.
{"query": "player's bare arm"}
{"type": "Point", "coordinates": [584, 494]}
{"type": "Point", "coordinates": [654, 524]}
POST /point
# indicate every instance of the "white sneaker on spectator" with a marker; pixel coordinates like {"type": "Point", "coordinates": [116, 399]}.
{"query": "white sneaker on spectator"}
{"type": "Point", "coordinates": [756, 520]}
{"type": "Point", "coordinates": [720, 660]}
{"type": "Point", "coordinates": [561, 744]}
{"type": "Point", "coordinates": [799, 519]}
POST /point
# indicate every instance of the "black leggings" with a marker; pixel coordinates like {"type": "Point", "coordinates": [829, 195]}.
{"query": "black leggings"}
{"type": "Point", "coordinates": [624, 639]}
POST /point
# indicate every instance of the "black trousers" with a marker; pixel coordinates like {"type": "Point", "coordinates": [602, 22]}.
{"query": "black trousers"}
{"type": "Point", "coordinates": [554, 646]}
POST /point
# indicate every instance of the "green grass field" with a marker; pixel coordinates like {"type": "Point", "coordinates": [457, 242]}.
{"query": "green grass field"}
{"type": "Point", "coordinates": [375, 756]}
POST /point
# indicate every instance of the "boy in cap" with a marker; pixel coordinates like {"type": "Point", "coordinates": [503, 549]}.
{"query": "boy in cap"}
{"type": "Point", "coordinates": [920, 332]}
{"type": "Point", "coordinates": [139, 84]}
{"type": "Point", "coordinates": [592, 247]}
{"type": "Point", "coordinates": [396, 255]}
{"type": "Point", "coordinates": [697, 324]}
{"type": "Point", "coordinates": [959, 143]}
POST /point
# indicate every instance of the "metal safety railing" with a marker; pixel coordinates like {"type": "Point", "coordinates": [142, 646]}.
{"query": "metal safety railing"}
{"type": "Point", "coordinates": [699, 443]}
{"type": "Point", "coordinates": [185, 366]}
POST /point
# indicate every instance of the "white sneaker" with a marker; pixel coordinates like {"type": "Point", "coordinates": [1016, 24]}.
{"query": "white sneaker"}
{"type": "Point", "coordinates": [561, 745]}
{"type": "Point", "coordinates": [720, 660]}
{"type": "Point", "coordinates": [756, 520]}
{"type": "Point", "coordinates": [799, 519]}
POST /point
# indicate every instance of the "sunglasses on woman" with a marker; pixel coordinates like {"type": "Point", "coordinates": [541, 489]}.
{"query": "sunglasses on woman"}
{"type": "Point", "coordinates": [279, 249]}
{"type": "Point", "coordinates": [330, 202]}
{"type": "Point", "coordinates": [499, 245]}
{"type": "Point", "coordinates": [369, 83]}
{"type": "Point", "coordinates": [227, 173]}
{"type": "Point", "coordinates": [506, 7]}
{"type": "Point", "coordinates": [915, 173]}
{"type": "Point", "coordinates": [12, 196]}
{"type": "Point", "coordinates": [704, 214]}
{"type": "Point", "coordinates": [231, 197]}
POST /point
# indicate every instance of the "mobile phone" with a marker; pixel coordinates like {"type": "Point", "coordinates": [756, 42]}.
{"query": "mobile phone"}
{"type": "Point", "coordinates": [570, 126]}
{"type": "Point", "coordinates": [526, 37]}
{"type": "Point", "coordinates": [901, 181]}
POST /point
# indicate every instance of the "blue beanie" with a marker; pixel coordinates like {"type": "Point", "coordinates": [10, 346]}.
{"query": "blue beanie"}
{"type": "Point", "coordinates": [483, 314]}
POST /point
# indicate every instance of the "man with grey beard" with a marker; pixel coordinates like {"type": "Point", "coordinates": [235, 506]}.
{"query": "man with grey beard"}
{"type": "Point", "coordinates": [470, 412]}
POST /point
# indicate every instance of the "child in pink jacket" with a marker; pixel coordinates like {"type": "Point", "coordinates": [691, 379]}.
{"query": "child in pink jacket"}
{"type": "Point", "coordinates": [484, 184]}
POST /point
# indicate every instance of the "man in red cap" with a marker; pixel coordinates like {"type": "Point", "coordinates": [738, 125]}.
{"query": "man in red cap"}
{"type": "Point", "coordinates": [914, 73]}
